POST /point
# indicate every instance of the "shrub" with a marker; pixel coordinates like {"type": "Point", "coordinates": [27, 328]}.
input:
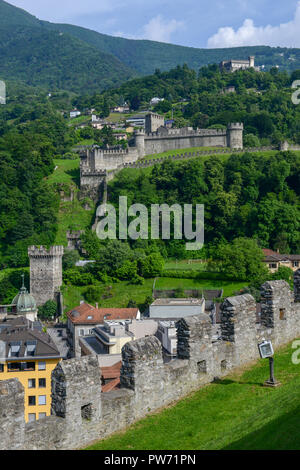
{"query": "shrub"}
{"type": "Point", "coordinates": [48, 311]}
{"type": "Point", "coordinates": [93, 294]}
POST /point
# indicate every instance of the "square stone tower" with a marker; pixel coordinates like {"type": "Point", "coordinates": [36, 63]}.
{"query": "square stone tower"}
{"type": "Point", "coordinates": [45, 272]}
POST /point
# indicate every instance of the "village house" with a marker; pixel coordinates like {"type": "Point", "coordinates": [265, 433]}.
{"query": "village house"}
{"type": "Point", "coordinates": [30, 355]}
{"type": "Point", "coordinates": [275, 260]}
{"type": "Point", "coordinates": [74, 113]}
{"type": "Point", "coordinates": [83, 319]}
{"type": "Point", "coordinates": [110, 337]}
{"type": "Point", "coordinates": [120, 109]}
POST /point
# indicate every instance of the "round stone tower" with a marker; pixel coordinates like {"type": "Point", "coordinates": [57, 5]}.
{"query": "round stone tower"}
{"type": "Point", "coordinates": [45, 272]}
{"type": "Point", "coordinates": [139, 136]}
{"type": "Point", "coordinates": [235, 135]}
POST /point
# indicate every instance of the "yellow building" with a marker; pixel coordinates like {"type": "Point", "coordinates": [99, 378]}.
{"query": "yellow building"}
{"type": "Point", "coordinates": [28, 354]}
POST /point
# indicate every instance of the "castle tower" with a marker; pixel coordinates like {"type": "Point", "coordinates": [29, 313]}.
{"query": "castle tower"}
{"type": "Point", "coordinates": [235, 135]}
{"type": "Point", "coordinates": [139, 136]}
{"type": "Point", "coordinates": [153, 121]}
{"type": "Point", "coordinates": [45, 272]}
{"type": "Point", "coordinates": [251, 61]}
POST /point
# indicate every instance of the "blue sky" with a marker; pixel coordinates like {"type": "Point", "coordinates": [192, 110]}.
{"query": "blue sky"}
{"type": "Point", "coordinates": [196, 23]}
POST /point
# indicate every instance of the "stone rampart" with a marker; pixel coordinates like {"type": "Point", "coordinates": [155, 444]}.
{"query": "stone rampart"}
{"type": "Point", "coordinates": [82, 413]}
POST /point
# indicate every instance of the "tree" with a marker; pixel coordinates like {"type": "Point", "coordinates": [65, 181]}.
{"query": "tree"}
{"type": "Point", "coordinates": [69, 259]}
{"type": "Point", "coordinates": [151, 266]}
{"type": "Point", "coordinates": [93, 294]}
{"type": "Point", "coordinates": [241, 260]}
{"type": "Point", "coordinates": [48, 311]}
{"type": "Point", "coordinates": [251, 140]}
{"type": "Point", "coordinates": [135, 103]}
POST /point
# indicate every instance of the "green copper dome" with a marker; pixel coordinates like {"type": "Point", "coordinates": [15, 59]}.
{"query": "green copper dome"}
{"type": "Point", "coordinates": [24, 301]}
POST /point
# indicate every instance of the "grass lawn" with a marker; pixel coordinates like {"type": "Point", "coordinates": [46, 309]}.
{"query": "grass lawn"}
{"type": "Point", "coordinates": [79, 120]}
{"type": "Point", "coordinates": [67, 171]}
{"type": "Point", "coordinates": [222, 157]}
{"type": "Point", "coordinates": [229, 287]}
{"type": "Point", "coordinates": [184, 265]}
{"type": "Point", "coordinates": [120, 292]}
{"type": "Point", "coordinates": [72, 214]}
{"type": "Point", "coordinates": [235, 413]}
{"type": "Point", "coordinates": [179, 152]}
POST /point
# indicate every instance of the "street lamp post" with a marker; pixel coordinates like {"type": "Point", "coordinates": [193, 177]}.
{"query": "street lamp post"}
{"type": "Point", "coordinates": [266, 351]}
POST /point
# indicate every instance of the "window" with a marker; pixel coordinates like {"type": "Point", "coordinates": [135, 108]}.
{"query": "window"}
{"type": "Point", "coordinates": [1, 367]}
{"type": "Point", "coordinates": [81, 332]}
{"type": "Point", "coordinates": [202, 367]}
{"type": "Point", "coordinates": [296, 264]}
{"type": "Point", "coordinates": [42, 415]}
{"type": "Point", "coordinates": [14, 366]}
{"type": "Point", "coordinates": [19, 366]}
{"type": "Point", "coordinates": [223, 365]}
{"type": "Point", "coordinates": [31, 383]}
{"type": "Point", "coordinates": [31, 417]}
{"type": "Point", "coordinates": [42, 383]}
{"type": "Point", "coordinates": [42, 365]}
{"type": "Point", "coordinates": [31, 401]}
{"type": "Point", "coordinates": [14, 349]}
{"type": "Point", "coordinates": [30, 348]}
{"type": "Point", "coordinates": [86, 412]}
{"type": "Point", "coordinates": [42, 400]}
{"type": "Point", "coordinates": [273, 266]}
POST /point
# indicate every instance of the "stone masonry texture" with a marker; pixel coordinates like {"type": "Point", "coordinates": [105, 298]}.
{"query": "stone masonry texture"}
{"type": "Point", "coordinates": [81, 413]}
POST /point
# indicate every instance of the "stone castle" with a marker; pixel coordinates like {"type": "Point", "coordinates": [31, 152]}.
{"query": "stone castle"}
{"type": "Point", "coordinates": [96, 162]}
{"type": "Point", "coordinates": [81, 413]}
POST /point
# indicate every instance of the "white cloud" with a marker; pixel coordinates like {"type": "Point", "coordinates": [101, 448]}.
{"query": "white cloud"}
{"type": "Point", "coordinates": [157, 29]}
{"type": "Point", "coordinates": [285, 34]}
{"type": "Point", "coordinates": [161, 30]}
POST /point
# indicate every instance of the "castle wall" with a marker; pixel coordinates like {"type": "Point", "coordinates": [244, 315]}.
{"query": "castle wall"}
{"type": "Point", "coordinates": [82, 414]}
{"type": "Point", "coordinates": [45, 272]}
{"type": "Point", "coordinates": [160, 144]}
{"type": "Point", "coordinates": [100, 160]}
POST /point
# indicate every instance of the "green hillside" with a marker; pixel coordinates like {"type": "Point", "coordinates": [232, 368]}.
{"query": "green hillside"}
{"type": "Point", "coordinates": [78, 59]}
{"type": "Point", "coordinates": [57, 61]}
{"type": "Point", "coordinates": [11, 15]}
{"type": "Point", "coordinates": [146, 56]}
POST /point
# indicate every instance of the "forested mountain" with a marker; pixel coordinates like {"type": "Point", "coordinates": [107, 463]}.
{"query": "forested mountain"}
{"type": "Point", "coordinates": [261, 100]}
{"type": "Point", "coordinates": [74, 58]}
{"type": "Point", "coordinates": [145, 56]}
{"type": "Point", "coordinates": [40, 56]}
{"type": "Point", "coordinates": [57, 61]}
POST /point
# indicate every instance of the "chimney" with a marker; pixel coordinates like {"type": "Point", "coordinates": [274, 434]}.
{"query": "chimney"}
{"type": "Point", "coordinates": [97, 305]}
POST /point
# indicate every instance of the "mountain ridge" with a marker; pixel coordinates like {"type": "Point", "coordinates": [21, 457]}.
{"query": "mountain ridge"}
{"type": "Point", "coordinates": [87, 61]}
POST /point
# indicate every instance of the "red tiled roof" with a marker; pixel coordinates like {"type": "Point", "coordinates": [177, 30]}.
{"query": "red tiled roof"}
{"type": "Point", "coordinates": [275, 257]}
{"type": "Point", "coordinates": [80, 314]}
{"type": "Point", "coordinates": [268, 252]}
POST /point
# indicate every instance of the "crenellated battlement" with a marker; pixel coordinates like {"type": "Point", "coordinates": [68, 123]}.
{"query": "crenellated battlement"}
{"type": "Point", "coordinates": [41, 251]}
{"type": "Point", "coordinates": [81, 413]}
